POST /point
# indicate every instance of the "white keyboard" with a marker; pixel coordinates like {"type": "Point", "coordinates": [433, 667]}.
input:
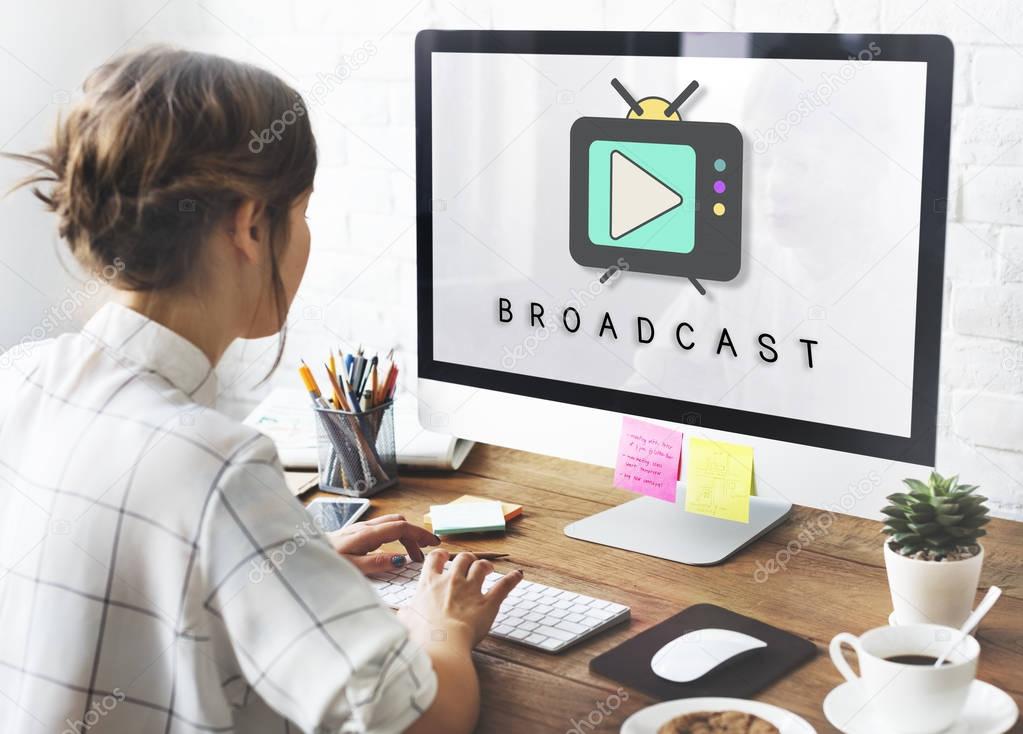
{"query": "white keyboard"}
{"type": "Point", "coordinates": [533, 614]}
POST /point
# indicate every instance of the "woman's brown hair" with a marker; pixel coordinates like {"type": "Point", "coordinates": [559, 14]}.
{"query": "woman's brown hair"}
{"type": "Point", "coordinates": [161, 148]}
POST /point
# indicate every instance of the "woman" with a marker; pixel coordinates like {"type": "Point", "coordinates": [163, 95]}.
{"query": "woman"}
{"type": "Point", "coordinates": [132, 513]}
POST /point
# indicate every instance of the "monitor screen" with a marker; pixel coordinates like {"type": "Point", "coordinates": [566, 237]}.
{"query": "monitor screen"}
{"type": "Point", "coordinates": [730, 236]}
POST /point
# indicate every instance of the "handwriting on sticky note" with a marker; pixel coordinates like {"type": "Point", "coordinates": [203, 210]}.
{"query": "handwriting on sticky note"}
{"type": "Point", "coordinates": [648, 459]}
{"type": "Point", "coordinates": [718, 479]}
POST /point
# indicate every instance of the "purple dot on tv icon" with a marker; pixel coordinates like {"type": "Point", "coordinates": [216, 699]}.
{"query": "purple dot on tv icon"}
{"type": "Point", "coordinates": [719, 187]}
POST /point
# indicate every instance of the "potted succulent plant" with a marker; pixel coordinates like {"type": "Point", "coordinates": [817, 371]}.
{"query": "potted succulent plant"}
{"type": "Point", "coordinates": [931, 553]}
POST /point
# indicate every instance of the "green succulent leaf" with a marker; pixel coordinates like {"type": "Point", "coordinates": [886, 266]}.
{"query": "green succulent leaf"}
{"type": "Point", "coordinates": [949, 520]}
{"type": "Point", "coordinates": [917, 486]}
{"type": "Point", "coordinates": [975, 522]}
{"type": "Point", "coordinates": [903, 538]}
{"type": "Point", "coordinates": [927, 528]}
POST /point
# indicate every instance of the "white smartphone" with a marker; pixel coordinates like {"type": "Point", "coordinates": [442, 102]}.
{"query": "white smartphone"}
{"type": "Point", "coordinates": [334, 514]}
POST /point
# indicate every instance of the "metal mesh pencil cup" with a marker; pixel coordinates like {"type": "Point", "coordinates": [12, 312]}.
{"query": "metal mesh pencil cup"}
{"type": "Point", "coordinates": [356, 451]}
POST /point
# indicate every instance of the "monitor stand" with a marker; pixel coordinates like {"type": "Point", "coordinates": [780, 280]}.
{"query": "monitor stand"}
{"type": "Point", "coordinates": [656, 528]}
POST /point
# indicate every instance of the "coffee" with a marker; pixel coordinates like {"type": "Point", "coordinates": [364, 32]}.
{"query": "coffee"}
{"type": "Point", "coordinates": [914, 660]}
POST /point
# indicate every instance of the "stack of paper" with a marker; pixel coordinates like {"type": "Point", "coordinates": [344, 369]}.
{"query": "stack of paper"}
{"type": "Point", "coordinates": [467, 517]}
{"type": "Point", "coordinates": [510, 510]}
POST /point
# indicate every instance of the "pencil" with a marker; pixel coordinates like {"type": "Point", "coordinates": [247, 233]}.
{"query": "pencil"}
{"type": "Point", "coordinates": [310, 383]}
{"type": "Point", "coordinates": [481, 556]}
{"type": "Point", "coordinates": [339, 399]}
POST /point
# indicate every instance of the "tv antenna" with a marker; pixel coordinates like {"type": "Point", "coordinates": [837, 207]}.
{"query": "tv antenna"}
{"type": "Point", "coordinates": [669, 112]}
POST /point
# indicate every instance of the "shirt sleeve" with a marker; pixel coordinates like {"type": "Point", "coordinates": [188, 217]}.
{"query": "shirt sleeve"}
{"type": "Point", "coordinates": [308, 631]}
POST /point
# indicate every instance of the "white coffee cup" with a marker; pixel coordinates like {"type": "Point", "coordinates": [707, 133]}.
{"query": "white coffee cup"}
{"type": "Point", "coordinates": [910, 699]}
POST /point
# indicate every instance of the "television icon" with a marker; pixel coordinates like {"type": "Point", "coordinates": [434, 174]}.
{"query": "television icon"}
{"type": "Point", "coordinates": [664, 195]}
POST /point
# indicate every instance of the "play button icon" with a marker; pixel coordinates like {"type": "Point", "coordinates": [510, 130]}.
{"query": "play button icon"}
{"type": "Point", "coordinates": [641, 195]}
{"type": "Point", "coordinates": [637, 196]}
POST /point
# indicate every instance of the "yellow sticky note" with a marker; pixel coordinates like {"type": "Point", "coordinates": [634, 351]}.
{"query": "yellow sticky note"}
{"type": "Point", "coordinates": [719, 476]}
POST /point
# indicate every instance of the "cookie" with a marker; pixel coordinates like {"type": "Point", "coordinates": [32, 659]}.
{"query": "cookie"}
{"type": "Point", "coordinates": [717, 722]}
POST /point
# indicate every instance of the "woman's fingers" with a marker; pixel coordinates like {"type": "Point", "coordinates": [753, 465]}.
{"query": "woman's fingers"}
{"type": "Point", "coordinates": [375, 563]}
{"type": "Point", "coordinates": [382, 519]}
{"type": "Point", "coordinates": [460, 566]}
{"type": "Point", "coordinates": [372, 537]}
{"type": "Point", "coordinates": [478, 571]}
{"type": "Point", "coordinates": [500, 590]}
{"type": "Point", "coordinates": [434, 563]}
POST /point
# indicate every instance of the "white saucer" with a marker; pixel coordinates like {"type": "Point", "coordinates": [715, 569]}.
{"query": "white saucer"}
{"type": "Point", "coordinates": [649, 720]}
{"type": "Point", "coordinates": [988, 710]}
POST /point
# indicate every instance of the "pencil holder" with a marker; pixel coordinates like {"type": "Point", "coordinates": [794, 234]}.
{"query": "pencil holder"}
{"type": "Point", "coordinates": [356, 451]}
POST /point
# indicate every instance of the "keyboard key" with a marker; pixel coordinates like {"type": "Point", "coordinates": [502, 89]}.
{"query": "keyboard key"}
{"type": "Point", "coordinates": [555, 633]}
{"type": "Point", "coordinates": [575, 629]}
{"type": "Point", "coordinates": [518, 634]}
{"type": "Point", "coordinates": [536, 639]}
{"type": "Point", "coordinates": [574, 617]}
{"type": "Point", "coordinates": [501, 629]}
{"type": "Point", "coordinates": [551, 644]}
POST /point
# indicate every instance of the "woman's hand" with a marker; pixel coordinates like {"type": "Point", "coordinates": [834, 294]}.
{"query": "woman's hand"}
{"type": "Point", "coordinates": [358, 541]}
{"type": "Point", "coordinates": [450, 605]}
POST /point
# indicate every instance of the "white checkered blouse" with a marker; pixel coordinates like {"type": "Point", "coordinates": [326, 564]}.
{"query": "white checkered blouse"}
{"type": "Point", "coordinates": [155, 573]}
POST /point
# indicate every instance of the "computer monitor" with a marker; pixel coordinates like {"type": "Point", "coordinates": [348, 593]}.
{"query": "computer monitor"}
{"type": "Point", "coordinates": [737, 234]}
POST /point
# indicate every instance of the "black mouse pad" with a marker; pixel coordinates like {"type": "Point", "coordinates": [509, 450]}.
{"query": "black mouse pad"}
{"type": "Point", "coordinates": [629, 663]}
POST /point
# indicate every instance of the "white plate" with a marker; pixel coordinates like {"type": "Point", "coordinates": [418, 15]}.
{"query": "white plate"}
{"type": "Point", "coordinates": [988, 710]}
{"type": "Point", "coordinates": [649, 720]}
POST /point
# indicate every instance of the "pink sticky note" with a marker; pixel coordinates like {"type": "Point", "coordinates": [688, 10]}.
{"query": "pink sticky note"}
{"type": "Point", "coordinates": [649, 459]}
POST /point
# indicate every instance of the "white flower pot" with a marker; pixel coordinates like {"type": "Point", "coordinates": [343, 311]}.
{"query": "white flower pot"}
{"type": "Point", "coordinates": [932, 592]}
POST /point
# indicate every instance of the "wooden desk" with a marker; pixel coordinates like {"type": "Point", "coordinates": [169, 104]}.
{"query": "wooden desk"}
{"type": "Point", "coordinates": [833, 581]}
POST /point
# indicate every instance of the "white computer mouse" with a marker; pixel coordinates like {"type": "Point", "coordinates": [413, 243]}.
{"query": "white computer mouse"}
{"type": "Point", "coordinates": [696, 653]}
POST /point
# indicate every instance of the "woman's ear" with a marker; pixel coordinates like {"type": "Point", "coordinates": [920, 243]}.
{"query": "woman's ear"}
{"type": "Point", "coordinates": [249, 230]}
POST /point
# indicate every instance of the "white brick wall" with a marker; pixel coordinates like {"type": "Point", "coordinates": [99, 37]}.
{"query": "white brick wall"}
{"type": "Point", "coordinates": [360, 285]}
